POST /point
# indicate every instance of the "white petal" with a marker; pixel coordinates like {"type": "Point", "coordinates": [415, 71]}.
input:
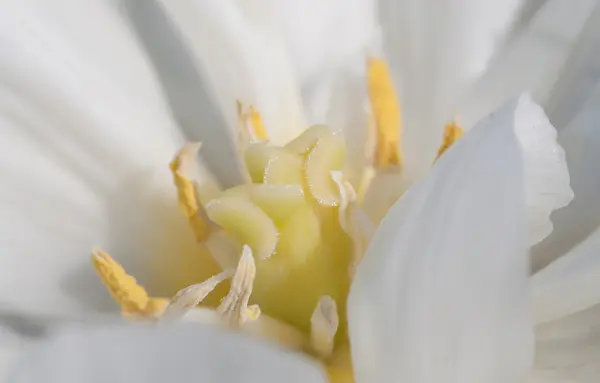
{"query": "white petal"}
{"type": "Point", "coordinates": [569, 284]}
{"type": "Point", "coordinates": [12, 347]}
{"type": "Point", "coordinates": [438, 48]}
{"type": "Point", "coordinates": [181, 354]}
{"type": "Point", "coordinates": [568, 350]}
{"type": "Point", "coordinates": [442, 293]}
{"type": "Point", "coordinates": [323, 35]}
{"type": "Point", "coordinates": [189, 94]}
{"type": "Point", "coordinates": [546, 173]}
{"type": "Point", "coordinates": [244, 59]}
{"type": "Point", "coordinates": [578, 76]}
{"type": "Point", "coordinates": [575, 222]}
{"type": "Point", "coordinates": [530, 61]}
{"type": "Point", "coordinates": [85, 142]}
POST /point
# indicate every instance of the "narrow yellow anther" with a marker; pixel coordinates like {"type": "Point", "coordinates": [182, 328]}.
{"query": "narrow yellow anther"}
{"type": "Point", "coordinates": [132, 298]}
{"type": "Point", "coordinates": [257, 124]}
{"type": "Point", "coordinates": [452, 132]}
{"type": "Point", "coordinates": [252, 122]}
{"type": "Point", "coordinates": [386, 113]}
{"type": "Point", "coordinates": [186, 190]}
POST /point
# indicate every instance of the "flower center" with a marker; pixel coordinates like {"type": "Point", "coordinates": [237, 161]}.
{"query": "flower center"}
{"type": "Point", "coordinates": [288, 240]}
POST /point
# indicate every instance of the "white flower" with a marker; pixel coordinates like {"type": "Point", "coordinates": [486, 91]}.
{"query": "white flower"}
{"type": "Point", "coordinates": [89, 103]}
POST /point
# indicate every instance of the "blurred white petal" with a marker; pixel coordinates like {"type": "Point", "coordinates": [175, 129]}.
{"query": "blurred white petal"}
{"type": "Point", "coordinates": [85, 142]}
{"type": "Point", "coordinates": [578, 76]}
{"type": "Point", "coordinates": [528, 11]}
{"type": "Point", "coordinates": [530, 61]}
{"type": "Point", "coordinates": [546, 173]}
{"type": "Point", "coordinates": [438, 48]}
{"type": "Point", "coordinates": [12, 348]}
{"type": "Point", "coordinates": [568, 350]}
{"type": "Point", "coordinates": [569, 284]}
{"type": "Point", "coordinates": [323, 35]}
{"type": "Point", "coordinates": [189, 95]}
{"type": "Point", "coordinates": [243, 57]}
{"type": "Point", "coordinates": [167, 354]}
{"type": "Point", "coordinates": [442, 293]}
{"type": "Point", "coordinates": [574, 223]}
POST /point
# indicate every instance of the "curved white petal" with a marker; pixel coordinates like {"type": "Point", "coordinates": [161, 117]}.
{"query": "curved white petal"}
{"type": "Point", "coordinates": [546, 173]}
{"type": "Point", "coordinates": [85, 143]}
{"type": "Point", "coordinates": [575, 222]}
{"type": "Point", "coordinates": [568, 350]}
{"type": "Point", "coordinates": [244, 59]}
{"type": "Point", "coordinates": [168, 354]}
{"type": "Point", "coordinates": [438, 49]}
{"type": "Point", "coordinates": [569, 284]}
{"type": "Point", "coordinates": [530, 61]}
{"type": "Point", "coordinates": [442, 293]}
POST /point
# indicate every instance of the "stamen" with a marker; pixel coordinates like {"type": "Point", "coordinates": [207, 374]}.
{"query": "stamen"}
{"type": "Point", "coordinates": [452, 132]}
{"type": "Point", "coordinates": [234, 307]}
{"type": "Point", "coordinates": [189, 297]}
{"type": "Point", "coordinates": [252, 122]}
{"type": "Point", "coordinates": [323, 326]}
{"type": "Point", "coordinates": [347, 195]}
{"type": "Point", "coordinates": [125, 290]}
{"type": "Point", "coordinates": [386, 113]}
{"type": "Point", "coordinates": [352, 221]}
{"type": "Point", "coordinates": [186, 190]}
{"type": "Point", "coordinates": [366, 178]}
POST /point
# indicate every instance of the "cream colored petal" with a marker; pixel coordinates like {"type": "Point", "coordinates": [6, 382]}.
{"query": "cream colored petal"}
{"type": "Point", "coordinates": [442, 294]}
{"type": "Point", "coordinates": [85, 144]}
{"type": "Point", "coordinates": [147, 354]}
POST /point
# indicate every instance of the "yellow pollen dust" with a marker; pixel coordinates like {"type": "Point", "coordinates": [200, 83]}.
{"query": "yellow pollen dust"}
{"type": "Point", "coordinates": [125, 290]}
{"type": "Point", "coordinates": [386, 113]}
{"type": "Point", "coordinates": [452, 132]}
{"type": "Point", "coordinates": [252, 121]}
{"type": "Point", "coordinates": [186, 190]}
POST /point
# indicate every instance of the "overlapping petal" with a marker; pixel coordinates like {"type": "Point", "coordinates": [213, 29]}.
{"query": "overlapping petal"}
{"type": "Point", "coordinates": [146, 354]}
{"type": "Point", "coordinates": [442, 292]}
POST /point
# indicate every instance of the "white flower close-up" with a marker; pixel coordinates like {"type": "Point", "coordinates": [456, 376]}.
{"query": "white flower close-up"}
{"type": "Point", "coordinates": [312, 191]}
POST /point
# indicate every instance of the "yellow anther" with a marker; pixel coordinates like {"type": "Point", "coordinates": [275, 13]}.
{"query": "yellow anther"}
{"type": "Point", "coordinates": [252, 122]}
{"type": "Point", "coordinates": [186, 190]}
{"type": "Point", "coordinates": [452, 132]}
{"type": "Point", "coordinates": [386, 112]}
{"type": "Point", "coordinates": [257, 124]}
{"type": "Point", "coordinates": [132, 298]}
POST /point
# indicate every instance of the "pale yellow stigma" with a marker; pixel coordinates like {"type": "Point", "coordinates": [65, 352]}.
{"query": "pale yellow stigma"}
{"type": "Point", "coordinates": [252, 122]}
{"type": "Point", "coordinates": [132, 297]}
{"type": "Point", "coordinates": [452, 132]}
{"type": "Point", "coordinates": [386, 113]}
{"type": "Point", "coordinates": [187, 191]}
